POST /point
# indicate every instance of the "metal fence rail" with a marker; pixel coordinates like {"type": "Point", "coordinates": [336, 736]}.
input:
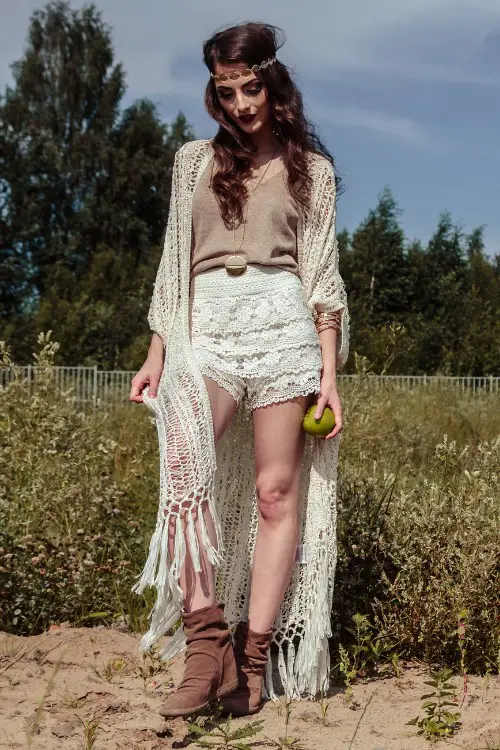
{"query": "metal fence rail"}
{"type": "Point", "coordinates": [465, 385]}
{"type": "Point", "coordinates": [106, 388]}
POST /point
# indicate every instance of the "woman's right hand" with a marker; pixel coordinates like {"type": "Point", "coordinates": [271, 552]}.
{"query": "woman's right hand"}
{"type": "Point", "coordinates": [148, 375]}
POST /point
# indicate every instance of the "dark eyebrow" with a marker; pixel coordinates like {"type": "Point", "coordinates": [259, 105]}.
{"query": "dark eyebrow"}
{"type": "Point", "coordinates": [248, 83]}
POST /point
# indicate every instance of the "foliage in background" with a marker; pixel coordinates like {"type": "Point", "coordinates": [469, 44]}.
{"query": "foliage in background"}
{"type": "Point", "coordinates": [84, 194]}
{"type": "Point", "coordinates": [418, 529]}
{"type": "Point", "coordinates": [71, 530]}
{"type": "Point", "coordinates": [446, 295]}
{"type": "Point", "coordinates": [419, 520]}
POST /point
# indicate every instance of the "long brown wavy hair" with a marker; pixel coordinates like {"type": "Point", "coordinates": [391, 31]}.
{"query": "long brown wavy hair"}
{"type": "Point", "coordinates": [251, 43]}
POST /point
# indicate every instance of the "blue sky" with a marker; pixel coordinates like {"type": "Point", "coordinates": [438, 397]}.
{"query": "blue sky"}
{"type": "Point", "coordinates": [405, 93]}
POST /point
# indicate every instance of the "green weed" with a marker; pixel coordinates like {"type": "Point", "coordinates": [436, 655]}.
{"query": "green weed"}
{"type": "Point", "coordinates": [286, 742]}
{"type": "Point", "coordinates": [90, 730]}
{"type": "Point", "coordinates": [439, 721]}
{"type": "Point", "coordinates": [418, 495]}
{"type": "Point", "coordinates": [218, 733]}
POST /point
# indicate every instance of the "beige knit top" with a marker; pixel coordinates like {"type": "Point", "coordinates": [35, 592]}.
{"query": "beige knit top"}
{"type": "Point", "coordinates": [271, 230]}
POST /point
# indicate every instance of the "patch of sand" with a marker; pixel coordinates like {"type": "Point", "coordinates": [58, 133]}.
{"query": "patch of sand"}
{"type": "Point", "coordinates": [70, 687]}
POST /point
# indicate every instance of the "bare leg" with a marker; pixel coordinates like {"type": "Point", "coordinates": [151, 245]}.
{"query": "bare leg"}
{"type": "Point", "coordinates": [199, 588]}
{"type": "Point", "coordinates": [279, 444]}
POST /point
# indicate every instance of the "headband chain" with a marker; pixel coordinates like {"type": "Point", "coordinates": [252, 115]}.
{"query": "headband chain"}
{"type": "Point", "coordinates": [245, 72]}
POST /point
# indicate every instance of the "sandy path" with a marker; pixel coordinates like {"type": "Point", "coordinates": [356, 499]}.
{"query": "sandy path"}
{"type": "Point", "coordinates": [80, 675]}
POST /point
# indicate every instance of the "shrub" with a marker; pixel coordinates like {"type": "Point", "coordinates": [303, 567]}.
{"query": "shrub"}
{"type": "Point", "coordinates": [418, 514]}
{"type": "Point", "coordinates": [418, 525]}
{"type": "Point", "coordinates": [71, 536]}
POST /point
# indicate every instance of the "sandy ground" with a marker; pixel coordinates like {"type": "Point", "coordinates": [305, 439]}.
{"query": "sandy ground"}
{"type": "Point", "coordinates": [83, 688]}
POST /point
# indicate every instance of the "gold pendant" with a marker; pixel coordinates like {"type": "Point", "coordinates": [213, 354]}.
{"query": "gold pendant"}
{"type": "Point", "coordinates": [235, 265]}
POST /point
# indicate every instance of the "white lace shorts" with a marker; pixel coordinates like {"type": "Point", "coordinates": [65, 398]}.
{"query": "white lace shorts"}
{"type": "Point", "coordinates": [254, 334]}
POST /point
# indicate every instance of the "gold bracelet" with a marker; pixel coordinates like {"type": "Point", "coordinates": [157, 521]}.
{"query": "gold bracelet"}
{"type": "Point", "coordinates": [328, 319]}
{"type": "Point", "coordinates": [328, 314]}
{"type": "Point", "coordinates": [324, 326]}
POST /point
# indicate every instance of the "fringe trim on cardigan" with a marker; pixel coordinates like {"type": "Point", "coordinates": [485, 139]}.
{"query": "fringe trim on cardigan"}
{"type": "Point", "coordinates": [162, 570]}
{"type": "Point", "coordinates": [306, 671]}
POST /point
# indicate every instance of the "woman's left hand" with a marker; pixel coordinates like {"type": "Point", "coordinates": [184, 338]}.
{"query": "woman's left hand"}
{"type": "Point", "coordinates": [329, 396]}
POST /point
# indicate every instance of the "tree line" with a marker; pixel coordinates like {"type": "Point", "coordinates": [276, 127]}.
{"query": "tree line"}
{"type": "Point", "coordinates": [84, 196]}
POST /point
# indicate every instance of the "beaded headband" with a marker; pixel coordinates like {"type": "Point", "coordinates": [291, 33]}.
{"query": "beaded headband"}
{"type": "Point", "coordinates": [245, 72]}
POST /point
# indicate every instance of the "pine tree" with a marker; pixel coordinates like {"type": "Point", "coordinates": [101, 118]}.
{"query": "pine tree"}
{"type": "Point", "coordinates": [57, 120]}
{"type": "Point", "coordinates": [376, 275]}
{"type": "Point", "coordinates": [86, 189]}
{"type": "Point", "coordinates": [440, 282]}
{"type": "Point", "coordinates": [479, 345]}
{"type": "Point", "coordinates": [378, 264]}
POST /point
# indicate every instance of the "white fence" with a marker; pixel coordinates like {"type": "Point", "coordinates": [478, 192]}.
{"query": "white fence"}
{"type": "Point", "coordinates": [111, 387]}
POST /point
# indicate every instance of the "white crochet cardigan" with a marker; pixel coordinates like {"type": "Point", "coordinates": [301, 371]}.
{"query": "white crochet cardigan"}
{"type": "Point", "coordinates": [194, 472]}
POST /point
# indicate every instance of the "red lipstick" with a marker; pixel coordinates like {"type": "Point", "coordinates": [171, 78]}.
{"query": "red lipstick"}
{"type": "Point", "coordinates": [247, 118]}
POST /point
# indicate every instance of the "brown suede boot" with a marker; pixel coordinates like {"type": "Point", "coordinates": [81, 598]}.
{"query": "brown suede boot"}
{"type": "Point", "coordinates": [209, 664]}
{"type": "Point", "coordinates": [250, 650]}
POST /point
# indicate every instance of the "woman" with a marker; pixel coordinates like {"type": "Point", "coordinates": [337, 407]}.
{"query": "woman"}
{"type": "Point", "coordinates": [250, 321]}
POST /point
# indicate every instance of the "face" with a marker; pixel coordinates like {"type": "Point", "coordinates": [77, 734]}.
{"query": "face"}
{"type": "Point", "coordinates": [244, 97]}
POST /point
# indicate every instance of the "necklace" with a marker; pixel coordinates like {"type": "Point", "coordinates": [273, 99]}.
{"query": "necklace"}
{"type": "Point", "coordinates": [236, 264]}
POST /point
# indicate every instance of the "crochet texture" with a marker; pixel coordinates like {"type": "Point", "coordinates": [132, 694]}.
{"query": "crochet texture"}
{"type": "Point", "coordinates": [197, 478]}
{"type": "Point", "coordinates": [266, 338]}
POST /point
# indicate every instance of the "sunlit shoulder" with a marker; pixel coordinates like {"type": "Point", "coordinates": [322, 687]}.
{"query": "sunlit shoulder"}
{"type": "Point", "coordinates": [194, 145]}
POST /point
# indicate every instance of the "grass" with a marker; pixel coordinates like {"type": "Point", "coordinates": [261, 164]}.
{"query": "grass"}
{"type": "Point", "coordinates": [418, 508]}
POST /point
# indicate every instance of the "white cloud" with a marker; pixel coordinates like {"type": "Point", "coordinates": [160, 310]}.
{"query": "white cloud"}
{"type": "Point", "coordinates": [402, 128]}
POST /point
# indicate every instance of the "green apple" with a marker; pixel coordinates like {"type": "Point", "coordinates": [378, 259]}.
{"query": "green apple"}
{"type": "Point", "coordinates": [319, 427]}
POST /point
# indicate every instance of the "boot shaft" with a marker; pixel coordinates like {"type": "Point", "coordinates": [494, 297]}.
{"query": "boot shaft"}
{"type": "Point", "coordinates": [251, 653]}
{"type": "Point", "coordinates": [209, 664]}
{"type": "Point", "coordinates": [207, 623]}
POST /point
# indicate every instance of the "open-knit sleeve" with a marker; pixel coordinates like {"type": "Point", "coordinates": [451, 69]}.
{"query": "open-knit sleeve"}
{"type": "Point", "coordinates": [323, 282]}
{"type": "Point", "coordinates": [165, 295]}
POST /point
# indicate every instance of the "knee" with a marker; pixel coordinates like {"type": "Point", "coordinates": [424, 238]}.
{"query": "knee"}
{"type": "Point", "coordinates": [275, 498]}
